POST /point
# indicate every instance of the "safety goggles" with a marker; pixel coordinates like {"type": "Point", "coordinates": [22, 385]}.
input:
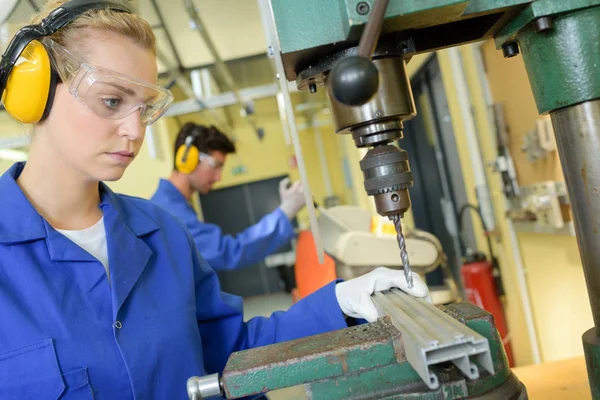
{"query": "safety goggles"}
{"type": "Point", "coordinates": [210, 160]}
{"type": "Point", "coordinates": [107, 93]}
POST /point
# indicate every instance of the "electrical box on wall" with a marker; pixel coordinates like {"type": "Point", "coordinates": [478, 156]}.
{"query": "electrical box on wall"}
{"type": "Point", "coordinates": [542, 208]}
{"type": "Point", "coordinates": [540, 141]}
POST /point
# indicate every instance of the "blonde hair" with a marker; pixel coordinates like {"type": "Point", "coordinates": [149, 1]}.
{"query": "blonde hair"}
{"type": "Point", "coordinates": [128, 25]}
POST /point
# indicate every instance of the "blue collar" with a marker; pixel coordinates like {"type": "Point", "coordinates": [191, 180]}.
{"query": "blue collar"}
{"type": "Point", "coordinates": [20, 221]}
{"type": "Point", "coordinates": [165, 186]}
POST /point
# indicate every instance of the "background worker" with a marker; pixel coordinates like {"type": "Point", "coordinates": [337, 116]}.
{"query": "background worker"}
{"type": "Point", "coordinates": [200, 153]}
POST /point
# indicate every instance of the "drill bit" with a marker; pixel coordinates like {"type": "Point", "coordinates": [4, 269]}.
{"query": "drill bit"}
{"type": "Point", "coordinates": [403, 252]}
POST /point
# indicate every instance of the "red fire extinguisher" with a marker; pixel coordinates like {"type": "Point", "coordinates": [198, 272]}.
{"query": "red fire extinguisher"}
{"type": "Point", "coordinates": [479, 282]}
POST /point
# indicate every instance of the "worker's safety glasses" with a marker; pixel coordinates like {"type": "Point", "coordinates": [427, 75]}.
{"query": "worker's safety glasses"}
{"type": "Point", "coordinates": [214, 164]}
{"type": "Point", "coordinates": [107, 93]}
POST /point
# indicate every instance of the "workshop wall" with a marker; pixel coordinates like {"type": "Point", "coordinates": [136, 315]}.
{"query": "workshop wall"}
{"type": "Point", "coordinates": [554, 273]}
{"type": "Point", "coordinates": [501, 241]}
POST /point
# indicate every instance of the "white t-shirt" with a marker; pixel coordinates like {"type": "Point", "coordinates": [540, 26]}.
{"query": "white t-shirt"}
{"type": "Point", "coordinates": [92, 240]}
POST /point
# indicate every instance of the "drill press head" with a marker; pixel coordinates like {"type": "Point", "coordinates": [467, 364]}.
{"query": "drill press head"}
{"type": "Point", "coordinates": [377, 124]}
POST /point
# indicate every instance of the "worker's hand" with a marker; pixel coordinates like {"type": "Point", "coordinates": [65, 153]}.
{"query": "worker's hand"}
{"type": "Point", "coordinates": [292, 197]}
{"type": "Point", "coordinates": [354, 296]}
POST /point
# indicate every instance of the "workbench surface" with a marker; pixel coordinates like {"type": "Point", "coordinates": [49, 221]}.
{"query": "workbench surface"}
{"type": "Point", "coordinates": [560, 380]}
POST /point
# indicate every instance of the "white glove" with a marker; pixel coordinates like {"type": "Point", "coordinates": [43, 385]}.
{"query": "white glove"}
{"type": "Point", "coordinates": [292, 198]}
{"type": "Point", "coordinates": [354, 296]}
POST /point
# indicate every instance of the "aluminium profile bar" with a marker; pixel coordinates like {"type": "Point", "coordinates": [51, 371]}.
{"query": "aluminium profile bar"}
{"type": "Point", "coordinates": [432, 337]}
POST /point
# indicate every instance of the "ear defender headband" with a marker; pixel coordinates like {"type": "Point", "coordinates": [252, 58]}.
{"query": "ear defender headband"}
{"type": "Point", "coordinates": [27, 88]}
{"type": "Point", "coordinates": [188, 155]}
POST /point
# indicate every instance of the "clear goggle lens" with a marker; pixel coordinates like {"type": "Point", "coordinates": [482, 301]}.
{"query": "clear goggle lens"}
{"type": "Point", "coordinates": [107, 93]}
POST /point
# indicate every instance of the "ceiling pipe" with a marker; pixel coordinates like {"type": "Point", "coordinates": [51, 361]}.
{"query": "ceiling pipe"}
{"type": "Point", "coordinates": [220, 66]}
{"type": "Point", "coordinates": [186, 86]}
{"type": "Point", "coordinates": [247, 108]}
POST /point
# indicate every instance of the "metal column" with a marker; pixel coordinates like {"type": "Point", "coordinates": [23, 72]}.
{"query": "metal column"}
{"type": "Point", "coordinates": [577, 130]}
{"type": "Point", "coordinates": [559, 41]}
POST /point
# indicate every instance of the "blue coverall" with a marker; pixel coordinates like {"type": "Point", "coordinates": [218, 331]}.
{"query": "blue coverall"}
{"type": "Point", "coordinates": [66, 333]}
{"type": "Point", "coordinates": [225, 252]}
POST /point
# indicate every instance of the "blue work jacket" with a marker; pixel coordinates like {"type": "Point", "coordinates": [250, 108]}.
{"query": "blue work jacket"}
{"type": "Point", "coordinates": [66, 333]}
{"type": "Point", "coordinates": [226, 252]}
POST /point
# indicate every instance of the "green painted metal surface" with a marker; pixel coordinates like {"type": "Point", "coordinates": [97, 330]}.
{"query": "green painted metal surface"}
{"type": "Point", "coordinates": [283, 376]}
{"type": "Point", "coordinates": [309, 24]}
{"type": "Point", "coordinates": [563, 63]}
{"type": "Point", "coordinates": [488, 382]}
{"type": "Point", "coordinates": [479, 6]}
{"type": "Point", "coordinates": [395, 381]}
{"type": "Point", "coordinates": [318, 357]}
{"type": "Point", "coordinates": [591, 348]}
{"type": "Point", "coordinates": [537, 9]}
{"type": "Point", "coordinates": [369, 382]}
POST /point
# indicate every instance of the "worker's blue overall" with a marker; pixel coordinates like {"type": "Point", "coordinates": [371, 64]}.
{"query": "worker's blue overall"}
{"type": "Point", "coordinates": [64, 330]}
{"type": "Point", "coordinates": [225, 252]}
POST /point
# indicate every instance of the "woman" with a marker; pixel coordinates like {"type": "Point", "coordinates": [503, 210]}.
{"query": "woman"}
{"type": "Point", "coordinates": [103, 295]}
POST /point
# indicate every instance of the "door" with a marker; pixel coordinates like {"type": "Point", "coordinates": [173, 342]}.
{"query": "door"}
{"type": "Point", "coordinates": [235, 209]}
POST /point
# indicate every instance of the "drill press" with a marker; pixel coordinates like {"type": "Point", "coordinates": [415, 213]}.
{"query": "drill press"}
{"type": "Point", "coordinates": [318, 41]}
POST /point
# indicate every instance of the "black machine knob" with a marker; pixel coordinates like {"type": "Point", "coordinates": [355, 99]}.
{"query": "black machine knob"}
{"type": "Point", "coordinates": [354, 80]}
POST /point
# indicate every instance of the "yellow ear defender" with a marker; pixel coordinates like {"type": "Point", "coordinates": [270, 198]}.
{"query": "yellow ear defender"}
{"type": "Point", "coordinates": [27, 79]}
{"type": "Point", "coordinates": [187, 159]}
{"type": "Point", "coordinates": [188, 155]}
{"type": "Point", "coordinates": [30, 87]}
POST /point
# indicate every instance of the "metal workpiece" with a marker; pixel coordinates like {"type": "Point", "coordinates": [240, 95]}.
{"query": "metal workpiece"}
{"type": "Point", "coordinates": [577, 131]}
{"type": "Point", "coordinates": [431, 337]}
{"type": "Point", "coordinates": [562, 61]}
{"type": "Point", "coordinates": [204, 387]}
{"type": "Point", "coordinates": [393, 103]}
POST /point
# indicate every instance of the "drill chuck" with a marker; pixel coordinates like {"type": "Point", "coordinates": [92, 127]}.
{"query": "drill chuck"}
{"type": "Point", "coordinates": [388, 177]}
